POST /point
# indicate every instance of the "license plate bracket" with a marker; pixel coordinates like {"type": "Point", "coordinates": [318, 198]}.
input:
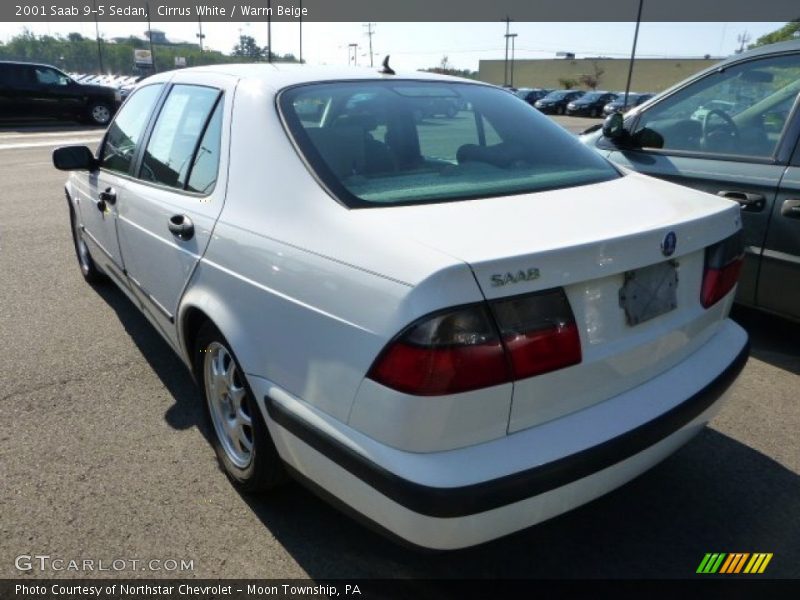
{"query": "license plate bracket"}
{"type": "Point", "coordinates": [649, 292]}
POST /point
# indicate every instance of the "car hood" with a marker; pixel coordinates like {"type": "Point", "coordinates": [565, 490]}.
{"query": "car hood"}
{"type": "Point", "coordinates": [580, 232]}
{"type": "Point", "coordinates": [97, 89]}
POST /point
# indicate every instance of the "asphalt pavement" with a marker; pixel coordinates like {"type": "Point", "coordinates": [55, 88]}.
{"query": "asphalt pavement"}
{"type": "Point", "coordinates": [103, 455]}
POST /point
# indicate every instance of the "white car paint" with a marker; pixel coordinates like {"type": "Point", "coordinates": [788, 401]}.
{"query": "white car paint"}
{"type": "Point", "coordinates": [308, 293]}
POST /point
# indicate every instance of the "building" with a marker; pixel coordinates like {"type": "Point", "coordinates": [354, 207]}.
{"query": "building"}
{"type": "Point", "coordinates": [649, 74]}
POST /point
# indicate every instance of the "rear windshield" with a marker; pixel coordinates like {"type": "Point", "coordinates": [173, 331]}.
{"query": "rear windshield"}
{"type": "Point", "coordinates": [377, 143]}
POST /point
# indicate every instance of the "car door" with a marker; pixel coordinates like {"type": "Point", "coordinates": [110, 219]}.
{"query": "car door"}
{"type": "Point", "coordinates": [171, 207]}
{"type": "Point", "coordinates": [11, 79]}
{"type": "Point", "coordinates": [53, 94]}
{"type": "Point", "coordinates": [740, 153]}
{"type": "Point", "coordinates": [100, 192]}
{"type": "Point", "coordinates": [779, 280]}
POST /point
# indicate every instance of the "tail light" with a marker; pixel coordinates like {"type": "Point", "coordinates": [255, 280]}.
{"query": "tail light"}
{"type": "Point", "coordinates": [481, 345]}
{"type": "Point", "coordinates": [539, 332]}
{"type": "Point", "coordinates": [722, 267]}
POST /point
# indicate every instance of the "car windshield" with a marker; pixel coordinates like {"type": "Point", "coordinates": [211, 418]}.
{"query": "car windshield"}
{"type": "Point", "coordinates": [592, 96]}
{"type": "Point", "coordinates": [404, 142]}
{"type": "Point", "coordinates": [523, 93]}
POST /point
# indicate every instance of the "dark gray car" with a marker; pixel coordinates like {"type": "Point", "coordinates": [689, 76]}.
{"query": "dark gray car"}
{"type": "Point", "coordinates": [731, 130]}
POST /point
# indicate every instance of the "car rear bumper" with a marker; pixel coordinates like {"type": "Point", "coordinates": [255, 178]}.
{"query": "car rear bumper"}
{"type": "Point", "coordinates": [458, 498]}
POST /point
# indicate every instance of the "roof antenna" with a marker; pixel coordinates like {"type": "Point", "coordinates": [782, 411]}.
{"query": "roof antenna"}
{"type": "Point", "coordinates": [386, 70]}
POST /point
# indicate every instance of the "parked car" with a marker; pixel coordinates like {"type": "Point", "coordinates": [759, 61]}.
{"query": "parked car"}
{"type": "Point", "coordinates": [34, 91]}
{"type": "Point", "coordinates": [619, 105]}
{"type": "Point", "coordinates": [590, 104]}
{"type": "Point", "coordinates": [555, 103]}
{"type": "Point", "coordinates": [732, 130]}
{"type": "Point", "coordinates": [497, 325]}
{"type": "Point", "coordinates": [531, 95]}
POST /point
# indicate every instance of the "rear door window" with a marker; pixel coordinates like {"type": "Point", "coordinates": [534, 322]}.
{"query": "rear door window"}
{"type": "Point", "coordinates": [185, 139]}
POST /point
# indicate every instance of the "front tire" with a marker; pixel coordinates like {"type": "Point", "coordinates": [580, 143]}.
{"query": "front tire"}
{"type": "Point", "coordinates": [560, 110]}
{"type": "Point", "coordinates": [239, 435]}
{"type": "Point", "coordinates": [89, 270]}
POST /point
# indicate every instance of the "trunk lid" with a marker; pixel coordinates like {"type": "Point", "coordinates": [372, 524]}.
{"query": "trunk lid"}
{"type": "Point", "coordinates": [585, 239]}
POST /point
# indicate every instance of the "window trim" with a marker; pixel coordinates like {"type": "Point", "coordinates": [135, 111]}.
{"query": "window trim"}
{"type": "Point", "coordinates": [338, 192]}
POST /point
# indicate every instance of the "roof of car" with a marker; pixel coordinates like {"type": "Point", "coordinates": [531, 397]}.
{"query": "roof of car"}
{"type": "Point", "coordinates": [286, 74]}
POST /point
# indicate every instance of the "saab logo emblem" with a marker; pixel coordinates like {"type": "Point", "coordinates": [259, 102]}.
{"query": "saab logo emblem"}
{"type": "Point", "coordinates": [735, 562]}
{"type": "Point", "coordinates": [669, 244]}
{"type": "Point", "coordinates": [501, 279]}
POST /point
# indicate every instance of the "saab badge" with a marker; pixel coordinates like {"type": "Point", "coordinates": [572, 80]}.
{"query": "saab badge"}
{"type": "Point", "coordinates": [669, 244]}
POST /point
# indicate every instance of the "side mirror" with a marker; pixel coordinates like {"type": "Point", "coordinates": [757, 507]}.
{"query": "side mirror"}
{"type": "Point", "coordinates": [614, 127]}
{"type": "Point", "coordinates": [74, 158]}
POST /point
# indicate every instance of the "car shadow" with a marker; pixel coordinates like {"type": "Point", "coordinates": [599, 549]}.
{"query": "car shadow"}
{"type": "Point", "coordinates": [186, 412]}
{"type": "Point", "coordinates": [713, 495]}
{"type": "Point", "coordinates": [772, 339]}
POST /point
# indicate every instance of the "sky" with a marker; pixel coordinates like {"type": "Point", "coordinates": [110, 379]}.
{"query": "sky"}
{"type": "Point", "coordinates": [422, 45]}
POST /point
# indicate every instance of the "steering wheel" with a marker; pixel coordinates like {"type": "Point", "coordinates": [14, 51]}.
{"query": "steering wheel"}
{"type": "Point", "coordinates": [708, 133]}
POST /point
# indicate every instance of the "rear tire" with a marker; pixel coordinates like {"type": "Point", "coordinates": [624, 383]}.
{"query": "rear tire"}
{"type": "Point", "coordinates": [99, 113]}
{"type": "Point", "coordinates": [239, 435]}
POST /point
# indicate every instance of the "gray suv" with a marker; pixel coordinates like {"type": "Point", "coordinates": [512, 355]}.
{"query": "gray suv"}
{"type": "Point", "coordinates": [35, 91]}
{"type": "Point", "coordinates": [731, 130]}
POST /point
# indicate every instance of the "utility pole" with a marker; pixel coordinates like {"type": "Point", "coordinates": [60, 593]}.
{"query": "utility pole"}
{"type": "Point", "coordinates": [301, 32]}
{"type": "Point", "coordinates": [370, 33]}
{"type": "Point", "coordinates": [505, 61]}
{"type": "Point", "coordinates": [97, 37]}
{"type": "Point", "coordinates": [200, 35]}
{"type": "Point", "coordinates": [150, 37]}
{"type": "Point", "coordinates": [742, 38]}
{"type": "Point", "coordinates": [513, 37]}
{"type": "Point", "coordinates": [269, 31]}
{"type": "Point", "coordinates": [633, 55]}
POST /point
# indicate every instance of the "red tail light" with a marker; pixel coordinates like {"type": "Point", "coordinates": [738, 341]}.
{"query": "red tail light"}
{"type": "Point", "coordinates": [539, 332]}
{"type": "Point", "coordinates": [470, 348]}
{"type": "Point", "coordinates": [723, 265]}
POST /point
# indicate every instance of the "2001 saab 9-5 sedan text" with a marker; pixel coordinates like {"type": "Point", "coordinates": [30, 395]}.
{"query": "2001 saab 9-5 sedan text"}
{"type": "Point", "coordinates": [456, 326]}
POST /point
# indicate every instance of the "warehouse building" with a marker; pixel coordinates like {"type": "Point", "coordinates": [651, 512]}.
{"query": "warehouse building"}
{"type": "Point", "coordinates": [649, 74]}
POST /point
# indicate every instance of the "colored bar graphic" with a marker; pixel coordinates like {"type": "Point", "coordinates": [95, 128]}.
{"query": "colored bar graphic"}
{"type": "Point", "coordinates": [734, 562]}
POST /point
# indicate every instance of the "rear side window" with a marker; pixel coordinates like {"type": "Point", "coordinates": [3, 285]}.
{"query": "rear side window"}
{"type": "Point", "coordinates": [126, 131]}
{"type": "Point", "coordinates": [376, 143]}
{"type": "Point", "coordinates": [13, 75]}
{"type": "Point", "coordinates": [185, 138]}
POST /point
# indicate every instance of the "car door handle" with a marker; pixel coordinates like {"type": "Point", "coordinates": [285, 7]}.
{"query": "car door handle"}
{"type": "Point", "coordinates": [749, 202]}
{"type": "Point", "coordinates": [181, 227]}
{"type": "Point", "coordinates": [791, 209]}
{"type": "Point", "coordinates": [109, 196]}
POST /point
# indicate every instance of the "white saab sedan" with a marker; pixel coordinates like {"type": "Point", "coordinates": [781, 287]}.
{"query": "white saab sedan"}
{"type": "Point", "coordinates": [413, 293]}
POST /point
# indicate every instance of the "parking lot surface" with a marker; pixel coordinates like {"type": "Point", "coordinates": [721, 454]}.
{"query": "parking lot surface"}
{"type": "Point", "coordinates": [103, 454]}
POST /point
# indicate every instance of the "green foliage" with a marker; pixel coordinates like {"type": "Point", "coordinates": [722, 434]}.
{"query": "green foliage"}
{"type": "Point", "coordinates": [787, 32]}
{"type": "Point", "coordinates": [78, 54]}
{"type": "Point", "coordinates": [567, 83]}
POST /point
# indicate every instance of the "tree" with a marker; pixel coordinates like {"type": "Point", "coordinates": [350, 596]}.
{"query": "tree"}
{"type": "Point", "coordinates": [592, 80]}
{"type": "Point", "coordinates": [787, 32]}
{"type": "Point", "coordinates": [567, 83]}
{"type": "Point", "coordinates": [247, 48]}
